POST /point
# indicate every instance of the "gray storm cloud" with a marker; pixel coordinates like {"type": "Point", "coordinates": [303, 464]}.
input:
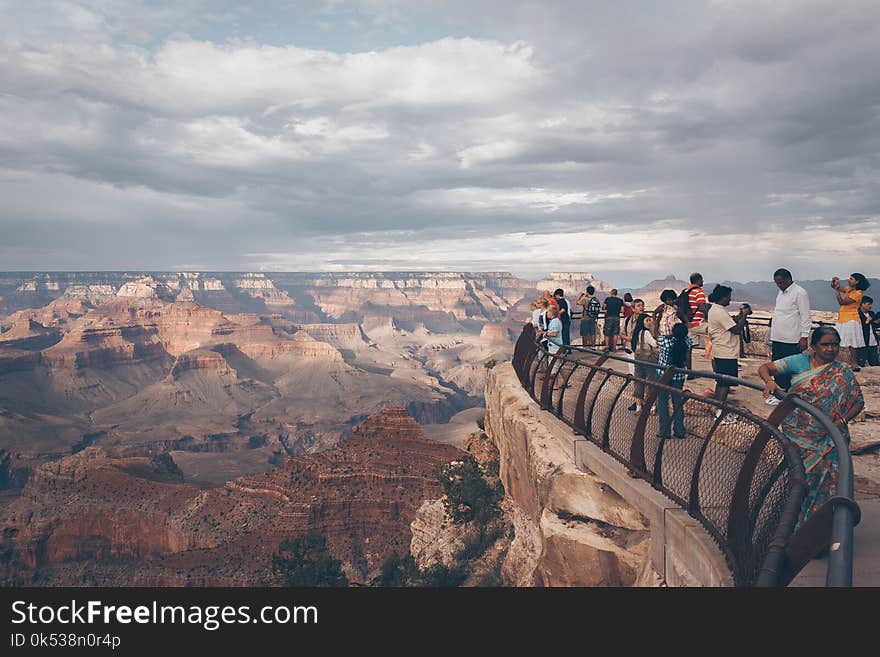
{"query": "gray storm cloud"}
{"type": "Point", "coordinates": [600, 136]}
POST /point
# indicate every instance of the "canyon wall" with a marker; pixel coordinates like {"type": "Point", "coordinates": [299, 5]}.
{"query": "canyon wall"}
{"type": "Point", "coordinates": [591, 523]}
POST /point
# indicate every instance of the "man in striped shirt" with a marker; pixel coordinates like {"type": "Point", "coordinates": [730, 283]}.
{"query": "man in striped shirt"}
{"type": "Point", "coordinates": [696, 301]}
{"type": "Point", "coordinates": [697, 316]}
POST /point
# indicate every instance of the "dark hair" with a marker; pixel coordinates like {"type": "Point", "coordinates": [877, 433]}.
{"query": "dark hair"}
{"type": "Point", "coordinates": [637, 331]}
{"type": "Point", "coordinates": [678, 353]}
{"type": "Point", "coordinates": [628, 297]}
{"type": "Point", "coordinates": [719, 293]}
{"type": "Point", "coordinates": [784, 274]}
{"type": "Point", "coordinates": [867, 299]}
{"type": "Point", "coordinates": [635, 301]}
{"type": "Point", "coordinates": [861, 282]}
{"type": "Point", "coordinates": [668, 295]}
{"type": "Point", "coordinates": [559, 292]}
{"type": "Point", "coordinates": [821, 332]}
{"type": "Point", "coordinates": [591, 289]}
{"type": "Point", "coordinates": [696, 276]}
{"type": "Point", "coordinates": [613, 291]}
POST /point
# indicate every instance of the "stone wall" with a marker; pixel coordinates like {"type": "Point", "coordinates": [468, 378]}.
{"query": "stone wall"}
{"type": "Point", "coordinates": [596, 525]}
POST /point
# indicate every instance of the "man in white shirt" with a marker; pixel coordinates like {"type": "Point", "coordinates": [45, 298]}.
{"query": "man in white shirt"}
{"type": "Point", "coordinates": [724, 333]}
{"type": "Point", "coordinates": [790, 327]}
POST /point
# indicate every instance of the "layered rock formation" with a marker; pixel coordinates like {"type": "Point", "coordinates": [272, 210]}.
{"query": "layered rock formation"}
{"type": "Point", "coordinates": [93, 519]}
{"type": "Point", "coordinates": [572, 283]}
{"type": "Point", "coordinates": [145, 288]}
{"type": "Point", "coordinates": [484, 296]}
{"type": "Point", "coordinates": [142, 374]}
{"type": "Point", "coordinates": [571, 528]}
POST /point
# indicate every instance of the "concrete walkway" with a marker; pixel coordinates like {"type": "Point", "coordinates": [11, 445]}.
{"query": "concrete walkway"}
{"type": "Point", "coordinates": [866, 550]}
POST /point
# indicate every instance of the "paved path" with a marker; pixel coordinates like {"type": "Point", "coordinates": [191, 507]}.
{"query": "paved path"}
{"type": "Point", "coordinates": [866, 550]}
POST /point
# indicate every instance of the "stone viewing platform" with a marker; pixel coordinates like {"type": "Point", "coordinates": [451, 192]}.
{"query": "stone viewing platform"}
{"type": "Point", "coordinates": [685, 544]}
{"type": "Point", "coordinates": [593, 523]}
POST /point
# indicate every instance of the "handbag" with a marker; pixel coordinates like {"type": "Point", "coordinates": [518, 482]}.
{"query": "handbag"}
{"type": "Point", "coordinates": [645, 351]}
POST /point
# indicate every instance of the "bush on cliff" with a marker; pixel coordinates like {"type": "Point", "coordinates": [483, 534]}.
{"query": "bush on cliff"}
{"type": "Point", "coordinates": [469, 496]}
{"type": "Point", "coordinates": [400, 571]}
{"type": "Point", "coordinates": [306, 561]}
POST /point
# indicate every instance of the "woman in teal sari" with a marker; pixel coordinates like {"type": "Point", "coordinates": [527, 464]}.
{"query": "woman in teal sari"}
{"type": "Point", "coordinates": [829, 385]}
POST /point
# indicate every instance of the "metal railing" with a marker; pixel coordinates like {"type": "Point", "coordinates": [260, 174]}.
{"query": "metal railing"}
{"type": "Point", "coordinates": [743, 480]}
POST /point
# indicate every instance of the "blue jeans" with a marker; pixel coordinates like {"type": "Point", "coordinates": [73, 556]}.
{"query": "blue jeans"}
{"type": "Point", "coordinates": [677, 410]}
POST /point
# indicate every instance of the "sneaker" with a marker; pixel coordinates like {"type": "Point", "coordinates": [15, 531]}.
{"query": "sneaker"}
{"type": "Point", "coordinates": [632, 407]}
{"type": "Point", "coordinates": [663, 436]}
{"type": "Point", "coordinates": [772, 401]}
{"type": "Point", "coordinates": [728, 419]}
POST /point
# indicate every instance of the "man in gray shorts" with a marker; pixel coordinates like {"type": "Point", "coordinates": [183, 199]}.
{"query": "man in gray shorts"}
{"type": "Point", "coordinates": [612, 305]}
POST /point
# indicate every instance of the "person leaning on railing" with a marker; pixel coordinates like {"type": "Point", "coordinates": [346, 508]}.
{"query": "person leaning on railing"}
{"type": "Point", "coordinates": [553, 335]}
{"type": "Point", "coordinates": [644, 348]}
{"type": "Point", "coordinates": [590, 316]}
{"type": "Point", "coordinates": [673, 353]}
{"type": "Point", "coordinates": [829, 385]}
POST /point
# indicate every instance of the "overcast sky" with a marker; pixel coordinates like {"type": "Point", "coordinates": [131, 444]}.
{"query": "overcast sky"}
{"type": "Point", "coordinates": [629, 139]}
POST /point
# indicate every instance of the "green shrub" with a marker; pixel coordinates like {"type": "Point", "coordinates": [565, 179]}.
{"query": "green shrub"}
{"type": "Point", "coordinates": [469, 497]}
{"type": "Point", "coordinates": [441, 576]}
{"type": "Point", "coordinates": [305, 561]}
{"type": "Point", "coordinates": [397, 572]}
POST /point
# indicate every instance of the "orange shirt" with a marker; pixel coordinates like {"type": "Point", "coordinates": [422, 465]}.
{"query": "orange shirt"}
{"type": "Point", "coordinates": [850, 312]}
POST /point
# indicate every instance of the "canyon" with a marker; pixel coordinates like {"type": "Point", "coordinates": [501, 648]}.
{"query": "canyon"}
{"type": "Point", "coordinates": [172, 429]}
{"type": "Point", "coordinates": [95, 519]}
{"type": "Point", "coordinates": [130, 401]}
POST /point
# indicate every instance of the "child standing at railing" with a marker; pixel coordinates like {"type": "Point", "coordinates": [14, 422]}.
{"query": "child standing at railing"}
{"type": "Point", "coordinates": [673, 353]}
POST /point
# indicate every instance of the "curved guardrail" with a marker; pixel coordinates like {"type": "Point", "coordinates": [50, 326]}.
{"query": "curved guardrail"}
{"type": "Point", "coordinates": [743, 481]}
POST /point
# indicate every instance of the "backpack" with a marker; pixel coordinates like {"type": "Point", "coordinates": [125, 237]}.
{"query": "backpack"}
{"type": "Point", "coordinates": [683, 305]}
{"type": "Point", "coordinates": [593, 308]}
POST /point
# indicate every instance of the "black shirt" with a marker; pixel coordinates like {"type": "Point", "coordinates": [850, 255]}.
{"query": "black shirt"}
{"type": "Point", "coordinates": [613, 306]}
{"type": "Point", "coordinates": [564, 317]}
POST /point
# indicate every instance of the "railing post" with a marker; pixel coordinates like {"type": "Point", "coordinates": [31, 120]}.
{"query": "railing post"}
{"type": "Point", "coordinates": [607, 428]}
{"type": "Point", "coordinates": [564, 387]}
{"type": "Point", "coordinates": [658, 460]}
{"type": "Point", "coordinates": [637, 449]}
{"type": "Point", "coordinates": [579, 418]}
{"type": "Point", "coordinates": [589, 422]}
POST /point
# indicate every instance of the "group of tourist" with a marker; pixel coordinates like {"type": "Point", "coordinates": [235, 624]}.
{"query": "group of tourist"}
{"type": "Point", "coordinates": [803, 360]}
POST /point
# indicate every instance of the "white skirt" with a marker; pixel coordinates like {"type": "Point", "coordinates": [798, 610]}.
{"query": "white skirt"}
{"type": "Point", "coordinates": [851, 334]}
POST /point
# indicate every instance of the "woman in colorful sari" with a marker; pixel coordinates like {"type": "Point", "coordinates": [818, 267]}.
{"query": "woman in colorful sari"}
{"type": "Point", "coordinates": [829, 385]}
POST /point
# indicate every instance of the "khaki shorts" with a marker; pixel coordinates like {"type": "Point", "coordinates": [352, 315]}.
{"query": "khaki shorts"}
{"type": "Point", "coordinates": [698, 334]}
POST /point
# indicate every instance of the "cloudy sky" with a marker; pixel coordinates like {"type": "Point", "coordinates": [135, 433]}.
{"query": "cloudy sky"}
{"type": "Point", "coordinates": [629, 139]}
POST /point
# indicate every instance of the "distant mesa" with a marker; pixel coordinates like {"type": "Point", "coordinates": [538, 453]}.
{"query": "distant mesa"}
{"type": "Point", "coordinates": [495, 332]}
{"type": "Point", "coordinates": [572, 283]}
{"type": "Point", "coordinates": [185, 295]}
{"type": "Point", "coordinates": [146, 288]}
{"type": "Point", "coordinates": [90, 293]}
{"type": "Point", "coordinates": [660, 284]}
